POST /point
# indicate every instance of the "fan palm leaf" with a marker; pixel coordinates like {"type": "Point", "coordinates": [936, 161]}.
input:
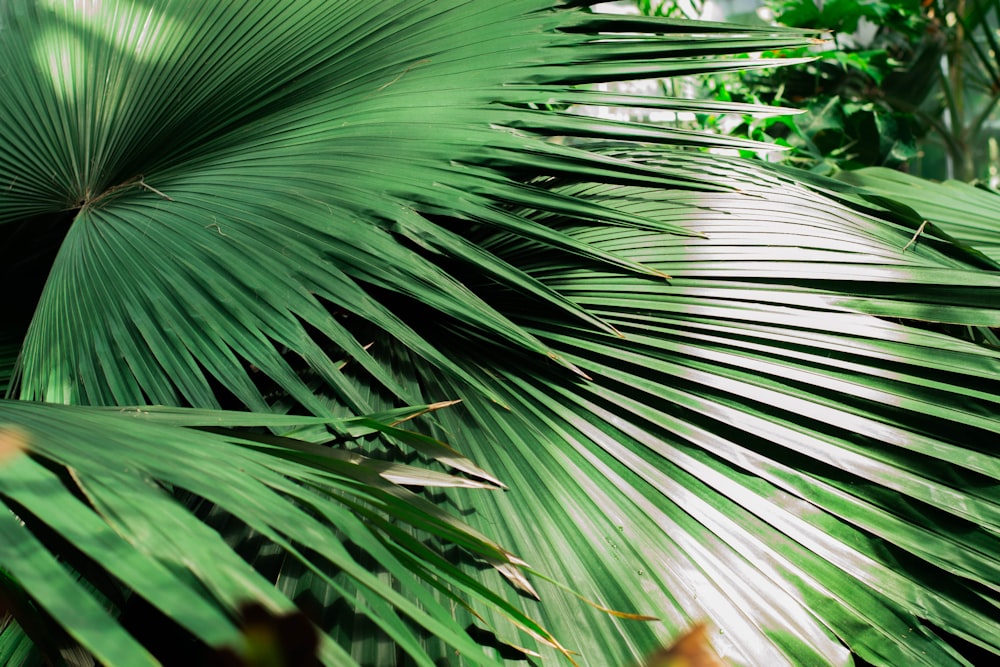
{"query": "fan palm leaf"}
{"type": "Point", "coordinates": [716, 390]}
{"type": "Point", "coordinates": [964, 211]}
{"type": "Point", "coordinates": [781, 423]}
{"type": "Point", "coordinates": [117, 504]}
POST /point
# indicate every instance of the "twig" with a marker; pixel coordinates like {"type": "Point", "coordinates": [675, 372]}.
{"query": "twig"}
{"type": "Point", "coordinates": [144, 184]}
{"type": "Point", "coordinates": [400, 75]}
{"type": "Point", "coordinates": [919, 231]}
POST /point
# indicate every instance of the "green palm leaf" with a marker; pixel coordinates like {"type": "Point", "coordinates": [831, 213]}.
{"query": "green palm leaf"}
{"type": "Point", "coordinates": [108, 482]}
{"type": "Point", "coordinates": [716, 390]}
{"type": "Point", "coordinates": [344, 113]}
{"type": "Point", "coordinates": [757, 427]}
{"type": "Point", "coordinates": [966, 212]}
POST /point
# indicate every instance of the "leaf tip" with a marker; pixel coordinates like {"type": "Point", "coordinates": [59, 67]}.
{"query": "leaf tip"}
{"type": "Point", "coordinates": [13, 442]}
{"type": "Point", "coordinates": [443, 404]}
{"type": "Point", "coordinates": [573, 367]}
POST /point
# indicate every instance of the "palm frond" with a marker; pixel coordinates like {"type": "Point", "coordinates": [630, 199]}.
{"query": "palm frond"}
{"type": "Point", "coordinates": [771, 435]}
{"type": "Point", "coordinates": [317, 136]}
{"type": "Point", "coordinates": [110, 483]}
{"type": "Point", "coordinates": [969, 214]}
{"type": "Point", "coordinates": [717, 390]}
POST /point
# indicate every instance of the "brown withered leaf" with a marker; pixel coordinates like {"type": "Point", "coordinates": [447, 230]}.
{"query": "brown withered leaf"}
{"type": "Point", "coordinates": [13, 442]}
{"type": "Point", "coordinates": [692, 649]}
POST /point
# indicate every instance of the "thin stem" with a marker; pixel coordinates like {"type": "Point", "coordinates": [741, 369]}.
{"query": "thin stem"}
{"type": "Point", "coordinates": [939, 126]}
{"type": "Point", "coordinates": [988, 64]}
{"type": "Point", "coordinates": [987, 111]}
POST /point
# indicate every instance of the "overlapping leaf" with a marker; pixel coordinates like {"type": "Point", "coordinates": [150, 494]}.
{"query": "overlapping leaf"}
{"type": "Point", "coordinates": [966, 212]}
{"type": "Point", "coordinates": [109, 483]}
{"type": "Point", "coordinates": [770, 445]}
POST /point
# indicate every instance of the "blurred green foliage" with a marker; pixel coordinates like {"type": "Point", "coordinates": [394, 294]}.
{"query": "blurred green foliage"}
{"type": "Point", "coordinates": [905, 84]}
{"type": "Point", "coordinates": [846, 15]}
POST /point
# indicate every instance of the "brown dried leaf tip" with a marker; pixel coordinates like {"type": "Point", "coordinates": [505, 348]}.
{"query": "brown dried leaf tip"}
{"type": "Point", "coordinates": [13, 442]}
{"type": "Point", "coordinates": [692, 649]}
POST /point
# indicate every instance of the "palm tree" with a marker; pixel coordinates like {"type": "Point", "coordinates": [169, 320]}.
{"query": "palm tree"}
{"type": "Point", "coordinates": [692, 387]}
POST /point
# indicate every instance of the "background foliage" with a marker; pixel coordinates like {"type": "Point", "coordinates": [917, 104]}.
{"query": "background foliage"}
{"type": "Point", "coordinates": [899, 84]}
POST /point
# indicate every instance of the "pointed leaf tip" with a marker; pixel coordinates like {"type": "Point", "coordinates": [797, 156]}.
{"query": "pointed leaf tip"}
{"type": "Point", "coordinates": [555, 357]}
{"type": "Point", "coordinates": [443, 404]}
{"type": "Point", "coordinates": [516, 578]}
